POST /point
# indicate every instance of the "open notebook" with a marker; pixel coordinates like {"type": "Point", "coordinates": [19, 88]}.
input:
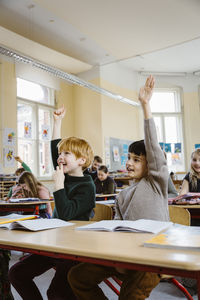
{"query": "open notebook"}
{"type": "Point", "coordinates": [32, 223]}
{"type": "Point", "coordinates": [142, 225]}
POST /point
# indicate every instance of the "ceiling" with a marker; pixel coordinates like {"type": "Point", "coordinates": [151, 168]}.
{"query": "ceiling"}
{"type": "Point", "coordinates": [142, 35]}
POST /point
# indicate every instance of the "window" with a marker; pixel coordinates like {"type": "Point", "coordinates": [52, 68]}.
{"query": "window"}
{"type": "Point", "coordinates": [34, 118]}
{"type": "Point", "coordinates": [167, 114]}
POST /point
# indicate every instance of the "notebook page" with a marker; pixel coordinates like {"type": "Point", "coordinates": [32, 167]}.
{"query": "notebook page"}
{"type": "Point", "coordinates": [39, 224]}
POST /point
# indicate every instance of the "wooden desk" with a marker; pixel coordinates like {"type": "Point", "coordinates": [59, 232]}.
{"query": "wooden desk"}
{"type": "Point", "coordinates": [124, 180]}
{"type": "Point", "coordinates": [105, 197]}
{"type": "Point", "coordinates": [115, 249]}
{"type": "Point", "coordinates": [31, 206]}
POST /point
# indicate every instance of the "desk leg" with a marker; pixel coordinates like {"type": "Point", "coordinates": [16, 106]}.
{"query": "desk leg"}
{"type": "Point", "coordinates": [37, 210]}
{"type": "Point", "coordinates": [198, 285]}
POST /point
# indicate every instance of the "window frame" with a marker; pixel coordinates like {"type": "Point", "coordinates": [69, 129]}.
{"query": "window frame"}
{"type": "Point", "coordinates": [36, 106]}
{"type": "Point", "coordinates": [179, 97]}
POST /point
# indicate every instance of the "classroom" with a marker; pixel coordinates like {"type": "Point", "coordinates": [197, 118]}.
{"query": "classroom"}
{"type": "Point", "coordinates": [93, 57]}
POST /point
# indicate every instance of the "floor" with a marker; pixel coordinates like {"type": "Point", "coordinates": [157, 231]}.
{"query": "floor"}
{"type": "Point", "coordinates": [164, 290]}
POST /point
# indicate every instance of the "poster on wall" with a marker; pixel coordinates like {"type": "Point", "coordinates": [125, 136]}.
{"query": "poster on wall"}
{"type": "Point", "coordinates": [107, 152]}
{"type": "Point", "coordinates": [162, 145]}
{"type": "Point", "coordinates": [8, 157]}
{"type": "Point", "coordinates": [45, 132]}
{"type": "Point", "coordinates": [197, 146]}
{"type": "Point", "coordinates": [125, 149]}
{"type": "Point", "coordinates": [176, 159]}
{"type": "Point", "coordinates": [168, 148]}
{"type": "Point", "coordinates": [123, 160]}
{"type": "Point", "coordinates": [116, 156]}
{"type": "Point", "coordinates": [177, 148]}
{"type": "Point", "coordinates": [27, 130]}
{"type": "Point", "coordinates": [9, 137]}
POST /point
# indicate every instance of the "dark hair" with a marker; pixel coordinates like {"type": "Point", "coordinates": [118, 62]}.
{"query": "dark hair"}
{"type": "Point", "coordinates": [103, 168]}
{"type": "Point", "coordinates": [137, 148]}
{"type": "Point", "coordinates": [98, 159]}
{"type": "Point", "coordinates": [19, 171]}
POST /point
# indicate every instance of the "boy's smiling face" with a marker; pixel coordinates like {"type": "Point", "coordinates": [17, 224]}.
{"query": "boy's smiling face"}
{"type": "Point", "coordinates": [137, 166]}
{"type": "Point", "coordinates": [71, 164]}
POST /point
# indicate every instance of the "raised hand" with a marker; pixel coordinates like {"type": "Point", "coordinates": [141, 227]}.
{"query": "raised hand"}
{"type": "Point", "coordinates": [59, 113]}
{"type": "Point", "coordinates": [146, 91]}
{"type": "Point", "coordinates": [17, 158]}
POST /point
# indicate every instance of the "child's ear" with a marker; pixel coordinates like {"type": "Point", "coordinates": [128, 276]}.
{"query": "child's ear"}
{"type": "Point", "coordinates": [82, 161]}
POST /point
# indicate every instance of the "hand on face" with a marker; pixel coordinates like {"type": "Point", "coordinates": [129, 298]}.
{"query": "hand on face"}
{"type": "Point", "coordinates": [59, 113]}
{"type": "Point", "coordinates": [145, 92]}
{"type": "Point", "coordinates": [59, 177]}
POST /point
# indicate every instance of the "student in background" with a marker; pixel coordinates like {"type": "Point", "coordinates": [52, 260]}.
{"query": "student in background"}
{"type": "Point", "coordinates": [74, 197]}
{"type": "Point", "coordinates": [147, 198]}
{"type": "Point", "coordinates": [172, 192]}
{"type": "Point", "coordinates": [191, 182]}
{"type": "Point", "coordinates": [19, 171]}
{"type": "Point", "coordinates": [29, 187]}
{"type": "Point", "coordinates": [104, 183]}
{"type": "Point", "coordinates": [5, 290]}
{"type": "Point", "coordinates": [92, 171]}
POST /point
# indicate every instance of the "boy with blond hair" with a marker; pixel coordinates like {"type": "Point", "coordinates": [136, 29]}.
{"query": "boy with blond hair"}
{"type": "Point", "coordinates": [74, 197]}
{"type": "Point", "coordinates": [147, 198]}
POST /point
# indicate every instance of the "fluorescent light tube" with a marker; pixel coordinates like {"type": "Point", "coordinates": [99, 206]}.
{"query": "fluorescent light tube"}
{"type": "Point", "coordinates": [63, 75]}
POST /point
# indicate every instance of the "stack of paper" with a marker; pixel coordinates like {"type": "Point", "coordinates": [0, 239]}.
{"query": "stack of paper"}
{"type": "Point", "coordinates": [177, 237]}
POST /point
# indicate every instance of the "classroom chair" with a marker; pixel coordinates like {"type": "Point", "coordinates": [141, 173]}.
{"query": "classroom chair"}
{"type": "Point", "coordinates": [52, 205]}
{"type": "Point", "coordinates": [102, 212]}
{"type": "Point", "coordinates": [177, 215]}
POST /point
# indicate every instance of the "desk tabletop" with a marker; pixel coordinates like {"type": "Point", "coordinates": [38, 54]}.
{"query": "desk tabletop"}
{"type": "Point", "coordinates": [105, 195]}
{"type": "Point", "coordinates": [190, 206]}
{"type": "Point", "coordinates": [112, 246]}
{"type": "Point", "coordinates": [7, 203]}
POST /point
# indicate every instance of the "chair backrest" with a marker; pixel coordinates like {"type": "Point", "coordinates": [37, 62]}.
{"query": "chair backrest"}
{"type": "Point", "coordinates": [52, 205]}
{"type": "Point", "coordinates": [179, 215]}
{"type": "Point", "coordinates": [102, 212]}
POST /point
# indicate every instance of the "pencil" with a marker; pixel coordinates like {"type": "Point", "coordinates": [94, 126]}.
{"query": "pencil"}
{"type": "Point", "coordinates": [6, 220]}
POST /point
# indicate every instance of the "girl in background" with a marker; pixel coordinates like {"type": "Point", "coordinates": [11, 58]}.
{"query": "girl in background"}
{"type": "Point", "coordinates": [29, 186]}
{"type": "Point", "coordinates": [104, 183]}
{"type": "Point", "coordinates": [191, 182]}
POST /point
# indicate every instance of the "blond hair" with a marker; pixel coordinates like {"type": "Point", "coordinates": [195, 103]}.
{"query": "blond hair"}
{"type": "Point", "coordinates": [193, 175]}
{"type": "Point", "coordinates": [79, 147]}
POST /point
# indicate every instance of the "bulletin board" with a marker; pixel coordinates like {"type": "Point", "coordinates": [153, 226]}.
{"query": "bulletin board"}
{"type": "Point", "coordinates": [118, 153]}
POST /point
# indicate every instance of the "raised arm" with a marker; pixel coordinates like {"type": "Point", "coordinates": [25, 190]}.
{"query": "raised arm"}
{"type": "Point", "coordinates": [157, 165]}
{"type": "Point", "coordinates": [145, 94]}
{"type": "Point", "coordinates": [26, 168]}
{"type": "Point", "coordinates": [58, 115]}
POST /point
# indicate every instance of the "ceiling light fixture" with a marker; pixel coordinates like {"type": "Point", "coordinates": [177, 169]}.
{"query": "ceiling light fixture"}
{"type": "Point", "coordinates": [177, 74]}
{"type": "Point", "coordinates": [62, 75]}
